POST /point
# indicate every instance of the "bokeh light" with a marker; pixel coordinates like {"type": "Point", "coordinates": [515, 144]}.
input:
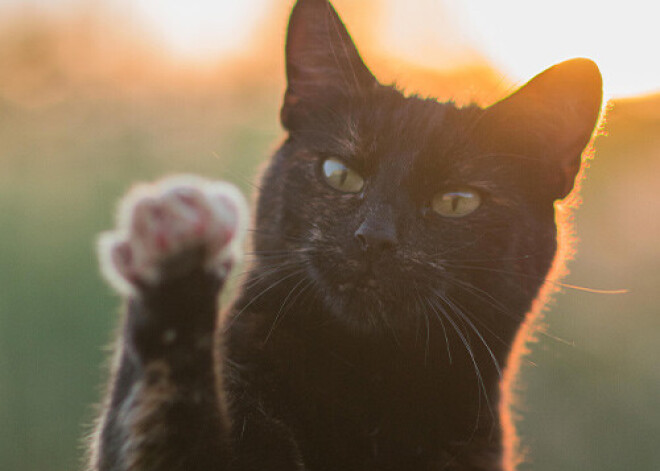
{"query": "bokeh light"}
{"type": "Point", "coordinates": [202, 29]}
{"type": "Point", "coordinates": [523, 37]}
{"type": "Point", "coordinates": [518, 37]}
{"type": "Point", "coordinates": [98, 94]}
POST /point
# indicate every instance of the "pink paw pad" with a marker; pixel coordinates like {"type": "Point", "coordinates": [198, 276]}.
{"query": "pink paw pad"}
{"type": "Point", "coordinates": [171, 218]}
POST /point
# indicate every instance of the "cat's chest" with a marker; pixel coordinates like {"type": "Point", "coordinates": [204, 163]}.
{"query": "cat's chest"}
{"type": "Point", "coordinates": [362, 443]}
{"type": "Point", "coordinates": [367, 418]}
{"type": "Point", "coordinates": [361, 407]}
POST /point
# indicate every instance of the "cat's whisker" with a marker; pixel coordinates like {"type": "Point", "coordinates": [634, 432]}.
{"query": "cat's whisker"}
{"type": "Point", "coordinates": [263, 292]}
{"type": "Point", "coordinates": [539, 278]}
{"type": "Point", "coordinates": [442, 325]}
{"type": "Point", "coordinates": [428, 338]}
{"type": "Point", "coordinates": [456, 308]}
{"type": "Point", "coordinates": [283, 255]}
{"type": "Point", "coordinates": [309, 291]}
{"type": "Point", "coordinates": [457, 249]}
{"type": "Point", "coordinates": [502, 259]}
{"type": "Point", "coordinates": [385, 319]}
{"type": "Point", "coordinates": [233, 174]}
{"type": "Point", "coordinates": [279, 314]}
{"type": "Point", "coordinates": [265, 271]}
{"type": "Point", "coordinates": [494, 303]}
{"type": "Point", "coordinates": [481, 384]}
{"type": "Point", "coordinates": [268, 271]}
{"type": "Point", "coordinates": [421, 309]}
{"type": "Point", "coordinates": [259, 264]}
{"type": "Point", "coordinates": [483, 295]}
{"type": "Point", "coordinates": [277, 235]}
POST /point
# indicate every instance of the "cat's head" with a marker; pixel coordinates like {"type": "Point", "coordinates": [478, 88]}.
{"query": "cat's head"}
{"type": "Point", "coordinates": [392, 205]}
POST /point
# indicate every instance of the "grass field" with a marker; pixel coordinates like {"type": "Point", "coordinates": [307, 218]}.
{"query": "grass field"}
{"type": "Point", "coordinates": [69, 149]}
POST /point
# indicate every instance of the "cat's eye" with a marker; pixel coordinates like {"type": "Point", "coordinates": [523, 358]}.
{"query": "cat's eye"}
{"type": "Point", "coordinates": [456, 203]}
{"type": "Point", "coordinates": [340, 177]}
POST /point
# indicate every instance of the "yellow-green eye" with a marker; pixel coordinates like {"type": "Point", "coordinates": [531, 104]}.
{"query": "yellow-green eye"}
{"type": "Point", "coordinates": [456, 203]}
{"type": "Point", "coordinates": [342, 178]}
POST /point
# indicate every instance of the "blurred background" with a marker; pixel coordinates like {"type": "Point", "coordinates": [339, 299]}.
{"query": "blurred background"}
{"type": "Point", "coordinates": [98, 94]}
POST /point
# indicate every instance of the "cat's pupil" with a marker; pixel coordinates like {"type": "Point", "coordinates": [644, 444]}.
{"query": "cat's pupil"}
{"type": "Point", "coordinates": [343, 176]}
{"type": "Point", "coordinates": [456, 203]}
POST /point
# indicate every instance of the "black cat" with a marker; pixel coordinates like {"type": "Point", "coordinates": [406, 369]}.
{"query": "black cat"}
{"type": "Point", "coordinates": [399, 244]}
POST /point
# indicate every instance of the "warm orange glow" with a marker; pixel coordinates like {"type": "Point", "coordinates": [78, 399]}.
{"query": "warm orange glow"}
{"type": "Point", "coordinates": [520, 38]}
{"type": "Point", "coordinates": [98, 94]}
{"type": "Point", "coordinates": [201, 29]}
{"type": "Point", "coordinates": [515, 37]}
{"type": "Point", "coordinates": [514, 452]}
{"type": "Point", "coordinates": [523, 37]}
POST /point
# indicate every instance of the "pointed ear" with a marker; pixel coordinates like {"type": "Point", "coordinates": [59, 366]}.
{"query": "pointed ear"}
{"type": "Point", "coordinates": [552, 117]}
{"type": "Point", "coordinates": [322, 63]}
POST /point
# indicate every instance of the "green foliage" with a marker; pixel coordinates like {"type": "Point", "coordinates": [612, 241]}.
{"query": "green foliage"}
{"type": "Point", "coordinates": [63, 170]}
{"type": "Point", "coordinates": [591, 399]}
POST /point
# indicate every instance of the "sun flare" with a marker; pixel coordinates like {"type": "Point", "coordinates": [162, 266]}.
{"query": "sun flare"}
{"type": "Point", "coordinates": [518, 37]}
{"type": "Point", "coordinates": [522, 38]}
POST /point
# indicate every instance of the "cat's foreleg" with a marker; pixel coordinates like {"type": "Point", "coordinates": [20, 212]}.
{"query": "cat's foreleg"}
{"type": "Point", "coordinates": [175, 244]}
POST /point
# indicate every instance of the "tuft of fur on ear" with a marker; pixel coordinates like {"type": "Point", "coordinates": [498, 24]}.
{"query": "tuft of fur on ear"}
{"type": "Point", "coordinates": [322, 62]}
{"type": "Point", "coordinates": [552, 117]}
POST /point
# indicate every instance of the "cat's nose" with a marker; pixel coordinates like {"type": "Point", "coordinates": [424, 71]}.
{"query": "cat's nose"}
{"type": "Point", "coordinates": [376, 235]}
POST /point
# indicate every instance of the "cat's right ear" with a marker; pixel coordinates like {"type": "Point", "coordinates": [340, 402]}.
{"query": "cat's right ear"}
{"type": "Point", "coordinates": [551, 118]}
{"type": "Point", "coordinates": [322, 62]}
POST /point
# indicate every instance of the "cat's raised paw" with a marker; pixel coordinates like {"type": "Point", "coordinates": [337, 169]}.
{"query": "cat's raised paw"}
{"type": "Point", "coordinates": [172, 227]}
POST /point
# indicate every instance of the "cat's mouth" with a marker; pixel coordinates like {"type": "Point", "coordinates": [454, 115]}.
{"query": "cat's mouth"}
{"type": "Point", "coordinates": [360, 276]}
{"type": "Point", "coordinates": [358, 286]}
{"type": "Point", "coordinates": [368, 294]}
{"type": "Point", "coordinates": [367, 283]}
{"type": "Point", "coordinates": [344, 273]}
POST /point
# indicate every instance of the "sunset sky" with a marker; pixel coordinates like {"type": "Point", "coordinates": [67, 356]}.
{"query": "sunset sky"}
{"type": "Point", "coordinates": [519, 37]}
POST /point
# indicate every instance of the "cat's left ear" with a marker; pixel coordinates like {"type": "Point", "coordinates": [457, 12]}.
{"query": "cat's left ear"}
{"type": "Point", "coordinates": [322, 63]}
{"type": "Point", "coordinates": [552, 118]}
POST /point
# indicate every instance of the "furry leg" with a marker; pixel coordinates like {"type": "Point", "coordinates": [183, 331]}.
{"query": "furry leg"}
{"type": "Point", "coordinates": [170, 256]}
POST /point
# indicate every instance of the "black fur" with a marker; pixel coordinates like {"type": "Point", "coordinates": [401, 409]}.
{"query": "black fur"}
{"type": "Point", "coordinates": [335, 357]}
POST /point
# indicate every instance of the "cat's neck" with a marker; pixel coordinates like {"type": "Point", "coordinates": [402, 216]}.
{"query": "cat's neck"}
{"type": "Point", "coordinates": [428, 390]}
{"type": "Point", "coordinates": [430, 368]}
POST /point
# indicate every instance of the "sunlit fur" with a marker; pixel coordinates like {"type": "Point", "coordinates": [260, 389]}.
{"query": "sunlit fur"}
{"type": "Point", "coordinates": [455, 290]}
{"type": "Point", "coordinates": [370, 332]}
{"type": "Point", "coordinates": [408, 149]}
{"type": "Point", "coordinates": [451, 295]}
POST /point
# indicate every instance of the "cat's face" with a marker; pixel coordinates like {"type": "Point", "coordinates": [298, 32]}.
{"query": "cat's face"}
{"type": "Point", "coordinates": [396, 207]}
